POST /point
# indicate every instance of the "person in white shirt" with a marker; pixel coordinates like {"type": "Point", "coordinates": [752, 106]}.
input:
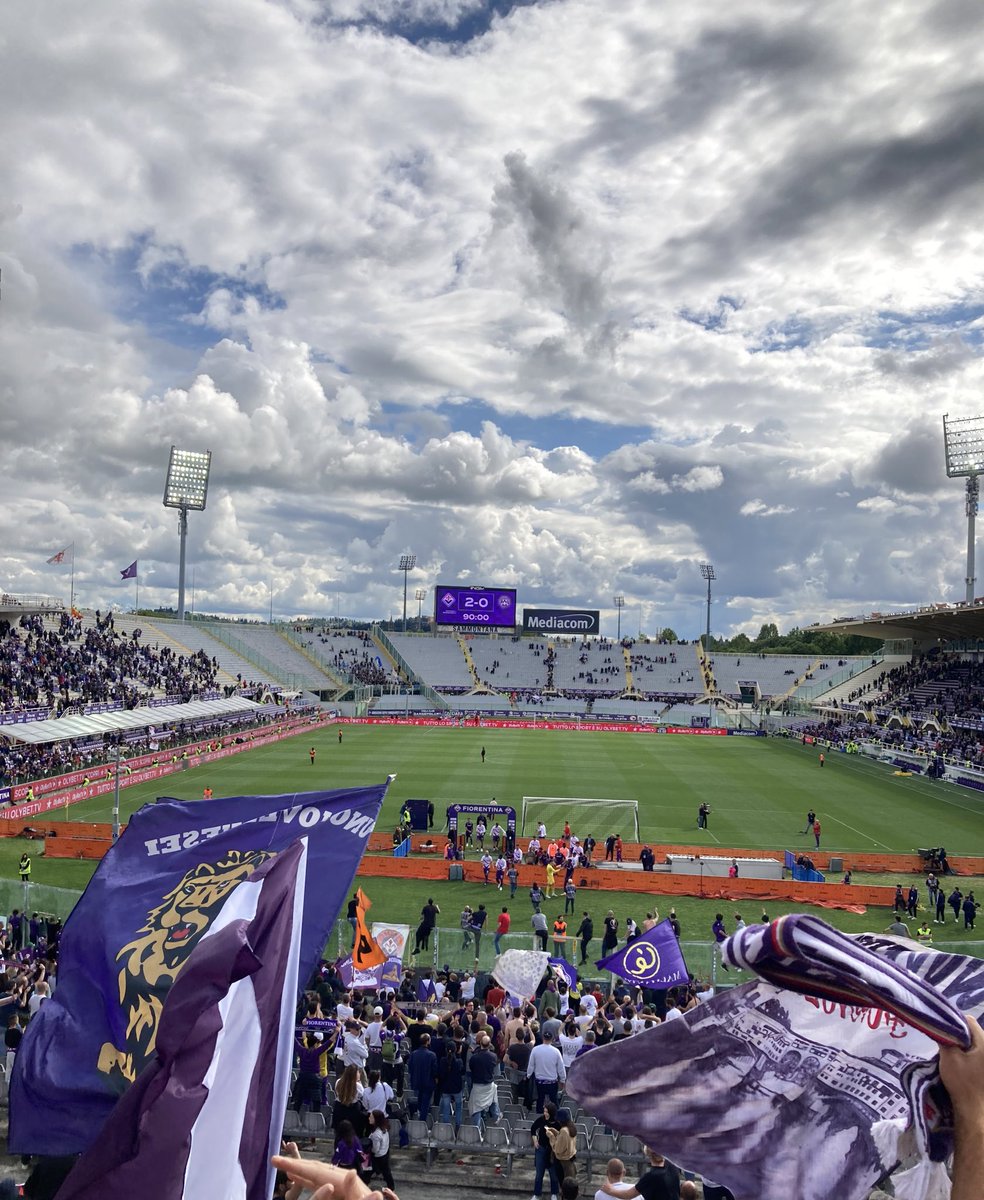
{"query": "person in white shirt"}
{"type": "Point", "coordinates": [615, 1180]}
{"type": "Point", "coordinates": [377, 1095]}
{"type": "Point", "coordinates": [38, 997]}
{"type": "Point", "coordinates": [374, 1029]}
{"type": "Point", "coordinates": [343, 1009]}
{"type": "Point", "coordinates": [467, 988]}
{"type": "Point", "coordinates": [571, 1042]}
{"type": "Point", "coordinates": [355, 1052]}
{"type": "Point", "coordinates": [673, 1013]}
{"type": "Point", "coordinates": [547, 1068]}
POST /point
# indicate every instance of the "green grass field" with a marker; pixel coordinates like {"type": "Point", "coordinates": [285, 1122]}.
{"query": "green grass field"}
{"type": "Point", "coordinates": [759, 789]}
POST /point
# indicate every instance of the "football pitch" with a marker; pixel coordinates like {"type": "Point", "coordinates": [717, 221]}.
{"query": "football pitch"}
{"type": "Point", "coordinates": [759, 790]}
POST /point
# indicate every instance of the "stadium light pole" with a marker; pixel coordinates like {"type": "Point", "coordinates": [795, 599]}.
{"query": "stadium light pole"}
{"type": "Point", "coordinates": [186, 487]}
{"type": "Point", "coordinates": [963, 442]}
{"type": "Point", "coordinates": [407, 564]}
{"type": "Point", "coordinates": [420, 596]}
{"type": "Point", "coordinates": [619, 602]}
{"type": "Point", "coordinates": [707, 571]}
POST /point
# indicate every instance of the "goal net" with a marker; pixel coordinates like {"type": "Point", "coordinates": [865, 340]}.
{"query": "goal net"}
{"type": "Point", "coordinates": [585, 814]}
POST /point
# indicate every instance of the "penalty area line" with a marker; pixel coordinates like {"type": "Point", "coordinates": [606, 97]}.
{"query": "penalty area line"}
{"type": "Point", "coordinates": [860, 834]}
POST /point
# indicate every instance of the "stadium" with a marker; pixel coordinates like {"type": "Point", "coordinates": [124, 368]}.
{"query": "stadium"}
{"type": "Point", "coordinates": [491, 687]}
{"type": "Point", "coordinates": [707, 759]}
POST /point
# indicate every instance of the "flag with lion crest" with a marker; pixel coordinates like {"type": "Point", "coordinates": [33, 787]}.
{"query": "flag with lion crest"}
{"type": "Point", "coordinates": [149, 903]}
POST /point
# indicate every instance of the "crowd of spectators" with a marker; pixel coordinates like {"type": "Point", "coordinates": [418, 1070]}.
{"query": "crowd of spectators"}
{"type": "Point", "coordinates": [359, 662]}
{"type": "Point", "coordinates": [65, 666]}
{"type": "Point", "coordinates": [933, 706]}
{"type": "Point", "coordinates": [55, 665]}
{"type": "Point", "coordinates": [376, 1060]}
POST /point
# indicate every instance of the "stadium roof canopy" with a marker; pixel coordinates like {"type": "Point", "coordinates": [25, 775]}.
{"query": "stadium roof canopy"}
{"type": "Point", "coordinates": [924, 626]}
{"type": "Point", "coordinates": [60, 728]}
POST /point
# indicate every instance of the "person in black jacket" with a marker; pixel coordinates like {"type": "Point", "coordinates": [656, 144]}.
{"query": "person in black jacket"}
{"type": "Point", "coordinates": [585, 931]}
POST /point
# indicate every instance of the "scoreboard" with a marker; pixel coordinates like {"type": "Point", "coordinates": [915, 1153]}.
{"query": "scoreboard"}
{"type": "Point", "coordinates": [479, 607]}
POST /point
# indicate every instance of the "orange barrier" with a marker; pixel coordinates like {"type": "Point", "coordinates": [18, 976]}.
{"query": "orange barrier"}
{"type": "Point", "coordinates": [78, 839]}
{"type": "Point", "coordinates": [887, 864]}
{"type": "Point", "coordinates": [77, 847]}
{"type": "Point", "coordinates": [649, 883]}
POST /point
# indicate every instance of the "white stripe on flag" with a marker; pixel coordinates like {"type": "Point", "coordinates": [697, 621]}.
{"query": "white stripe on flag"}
{"type": "Point", "coordinates": [213, 1167]}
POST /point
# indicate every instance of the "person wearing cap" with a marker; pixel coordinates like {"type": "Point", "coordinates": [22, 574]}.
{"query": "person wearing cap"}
{"type": "Point", "coordinates": [546, 1067]}
{"type": "Point", "coordinates": [374, 1041]}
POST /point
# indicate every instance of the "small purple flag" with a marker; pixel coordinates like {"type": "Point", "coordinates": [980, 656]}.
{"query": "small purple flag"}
{"type": "Point", "coordinates": [567, 971]}
{"type": "Point", "coordinates": [653, 960]}
{"type": "Point", "coordinates": [204, 1117]}
{"type": "Point", "coordinates": [426, 992]}
{"type": "Point", "coordinates": [130, 572]}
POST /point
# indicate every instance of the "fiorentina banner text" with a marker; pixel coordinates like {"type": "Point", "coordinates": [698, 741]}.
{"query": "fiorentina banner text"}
{"type": "Point", "coordinates": [149, 903]}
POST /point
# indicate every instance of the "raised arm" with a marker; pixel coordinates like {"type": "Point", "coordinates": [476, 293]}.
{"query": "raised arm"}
{"type": "Point", "coordinates": [962, 1072]}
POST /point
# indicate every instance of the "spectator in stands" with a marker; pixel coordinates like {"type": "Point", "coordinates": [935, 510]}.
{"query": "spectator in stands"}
{"type": "Point", "coordinates": [482, 1067]}
{"type": "Point", "coordinates": [543, 1157]}
{"type": "Point", "coordinates": [422, 1074]}
{"type": "Point", "coordinates": [546, 1067]}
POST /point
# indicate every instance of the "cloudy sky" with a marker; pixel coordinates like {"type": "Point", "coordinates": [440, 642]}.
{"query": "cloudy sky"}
{"type": "Point", "coordinates": [568, 295]}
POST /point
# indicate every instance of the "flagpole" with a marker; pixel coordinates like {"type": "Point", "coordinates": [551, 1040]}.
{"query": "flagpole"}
{"type": "Point", "coordinates": [136, 593]}
{"type": "Point", "coordinates": [71, 602]}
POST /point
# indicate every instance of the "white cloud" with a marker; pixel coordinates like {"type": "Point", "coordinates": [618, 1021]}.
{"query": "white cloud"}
{"type": "Point", "coordinates": [564, 326]}
{"type": "Point", "coordinates": [757, 508]}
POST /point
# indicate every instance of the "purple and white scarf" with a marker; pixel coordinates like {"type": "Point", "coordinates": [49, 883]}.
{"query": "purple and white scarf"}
{"type": "Point", "coordinates": [816, 1080]}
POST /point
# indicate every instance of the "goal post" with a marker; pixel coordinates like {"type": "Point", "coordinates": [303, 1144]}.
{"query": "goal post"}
{"type": "Point", "coordinates": [586, 814]}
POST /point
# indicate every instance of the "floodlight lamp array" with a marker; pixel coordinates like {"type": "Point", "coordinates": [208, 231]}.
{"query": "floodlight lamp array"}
{"type": "Point", "coordinates": [186, 485]}
{"type": "Point", "coordinates": [707, 571]}
{"type": "Point", "coordinates": [963, 441]}
{"type": "Point", "coordinates": [407, 562]}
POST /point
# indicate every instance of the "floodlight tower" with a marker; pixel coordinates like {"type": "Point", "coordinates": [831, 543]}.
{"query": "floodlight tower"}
{"type": "Point", "coordinates": [707, 571]}
{"type": "Point", "coordinates": [963, 441]}
{"type": "Point", "coordinates": [186, 487]}
{"type": "Point", "coordinates": [619, 602]}
{"type": "Point", "coordinates": [407, 564]}
{"type": "Point", "coordinates": [420, 596]}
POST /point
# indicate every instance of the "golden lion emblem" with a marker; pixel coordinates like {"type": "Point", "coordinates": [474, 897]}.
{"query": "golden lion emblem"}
{"type": "Point", "coordinates": [152, 961]}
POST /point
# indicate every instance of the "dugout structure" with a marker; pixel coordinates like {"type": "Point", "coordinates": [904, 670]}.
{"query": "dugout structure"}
{"type": "Point", "coordinates": [593, 815]}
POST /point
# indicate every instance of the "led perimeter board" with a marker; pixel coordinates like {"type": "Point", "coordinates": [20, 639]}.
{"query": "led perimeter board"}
{"type": "Point", "coordinates": [478, 607]}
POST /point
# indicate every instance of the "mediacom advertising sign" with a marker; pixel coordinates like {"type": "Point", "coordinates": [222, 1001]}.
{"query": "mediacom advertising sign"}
{"type": "Point", "coordinates": [561, 620]}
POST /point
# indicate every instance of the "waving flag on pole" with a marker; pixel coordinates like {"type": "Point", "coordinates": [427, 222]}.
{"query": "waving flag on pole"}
{"type": "Point", "coordinates": [130, 572]}
{"type": "Point", "coordinates": [59, 557]}
{"type": "Point", "coordinates": [653, 960]}
{"type": "Point", "coordinates": [426, 991]}
{"type": "Point", "coordinates": [366, 952]}
{"type": "Point", "coordinates": [205, 1116]}
{"type": "Point", "coordinates": [150, 902]}
{"type": "Point", "coordinates": [567, 971]}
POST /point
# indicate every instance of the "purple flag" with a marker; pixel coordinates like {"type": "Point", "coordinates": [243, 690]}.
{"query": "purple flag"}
{"type": "Point", "coordinates": [567, 971]}
{"type": "Point", "coordinates": [151, 900]}
{"type": "Point", "coordinates": [653, 960]}
{"type": "Point", "coordinates": [386, 975]}
{"type": "Point", "coordinates": [764, 1085]}
{"type": "Point", "coordinates": [205, 1116]}
{"type": "Point", "coordinates": [426, 992]}
{"type": "Point", "coordinates": [130, 572]}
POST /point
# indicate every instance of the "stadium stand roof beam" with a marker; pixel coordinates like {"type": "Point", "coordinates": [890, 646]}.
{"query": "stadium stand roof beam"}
{"type": "Point", "coordinates": [60, 728]}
